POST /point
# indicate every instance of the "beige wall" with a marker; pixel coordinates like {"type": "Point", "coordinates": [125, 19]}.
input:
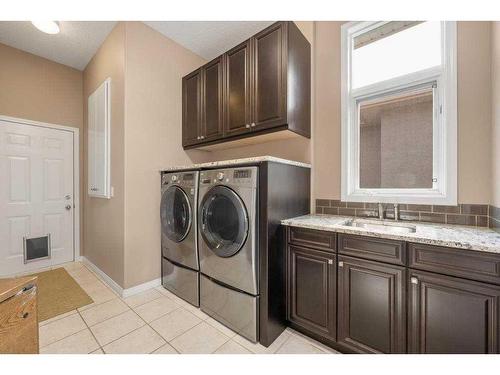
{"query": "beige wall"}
{"type": "Point", "coordinates": [474, 114]}
{"type": "Point", "coordinates": [154, 68]}
{"type": "Point", "coordinates": [104, 218]}
{"type": "Point", "coordinates": [495, 114]}
{"type": "Point", "coordinates": [38, 89]}
{"type": "Point", "coordinates": [326, 150]}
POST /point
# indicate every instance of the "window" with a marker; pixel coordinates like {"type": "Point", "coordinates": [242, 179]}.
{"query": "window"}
{"type": "Point", "coordinates": [399, 130]}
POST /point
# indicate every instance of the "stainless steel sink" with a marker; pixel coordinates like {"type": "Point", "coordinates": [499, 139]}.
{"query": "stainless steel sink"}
{"type": "Point", "coordinates": [381, 226]}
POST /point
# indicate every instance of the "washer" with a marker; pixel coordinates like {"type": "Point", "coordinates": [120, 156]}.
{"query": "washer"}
{"type": "Point", "coordinates": [227, 226]}
{"type": "Point", "coordinates": [178, 213]}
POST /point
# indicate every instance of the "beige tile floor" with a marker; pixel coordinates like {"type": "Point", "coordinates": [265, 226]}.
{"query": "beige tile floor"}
{"type": "Point", "coordinates": [154, 321]}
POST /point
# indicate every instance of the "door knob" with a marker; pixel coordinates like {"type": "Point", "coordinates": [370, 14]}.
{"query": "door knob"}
{"type": "Point", "coordinates": [68, 207]}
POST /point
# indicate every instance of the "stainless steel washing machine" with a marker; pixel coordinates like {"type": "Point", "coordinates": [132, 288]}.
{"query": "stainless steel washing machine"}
{"type": "Point", "coordinates": [178, 212]}
{"type": "Point", "coordinates": [227, 226]}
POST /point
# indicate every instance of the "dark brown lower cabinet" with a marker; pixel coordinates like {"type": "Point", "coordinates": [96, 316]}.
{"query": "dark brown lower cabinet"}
{"type": "Point", "coordinates": [311, 289]}
{"type": "Point", "coordinates": [371, 306]}
{"type": "Point", "coordinates": [452, 315]}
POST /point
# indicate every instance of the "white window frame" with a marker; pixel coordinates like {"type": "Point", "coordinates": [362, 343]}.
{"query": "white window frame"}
{"type": "Point", "coordinates": [444, 189]}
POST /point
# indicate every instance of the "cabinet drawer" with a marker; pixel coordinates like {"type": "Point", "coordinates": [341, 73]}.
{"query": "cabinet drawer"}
{"type": "Point", "coordinates": [388, 251]}
{"type": "Point", "coordinates": [455, 262]}
{"type": "Point", "coordinates": [312, 238]}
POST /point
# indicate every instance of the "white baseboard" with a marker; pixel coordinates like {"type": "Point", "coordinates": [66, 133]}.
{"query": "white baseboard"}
{"type": "Point", "coordinates": [141, 287]}
{"type": "Point", "coordinates": [108, 280]}
{"type": "Point", "coordinates": [117, 288]}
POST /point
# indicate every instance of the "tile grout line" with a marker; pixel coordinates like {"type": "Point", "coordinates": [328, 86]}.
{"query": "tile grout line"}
{"type": "Point", "coordinates": [154, 330]}
{"type": "Point", "coordinates": [62, 338]}
{"type": "Point", "coordinates": [118, 338]}
{"type": "Point", "coordinates": [92, 333]}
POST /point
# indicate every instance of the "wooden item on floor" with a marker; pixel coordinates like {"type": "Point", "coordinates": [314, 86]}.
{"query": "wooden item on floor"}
{"type": "Point", "coordinates": [18, 315]}
{"type": "Point", "coordinates": [59, 293]}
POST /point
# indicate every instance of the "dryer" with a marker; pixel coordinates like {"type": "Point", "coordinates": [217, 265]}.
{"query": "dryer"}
{"type": "Point", "coordinates": [228, 247]}
{"type": "Point", "coordinates": [178, 213]}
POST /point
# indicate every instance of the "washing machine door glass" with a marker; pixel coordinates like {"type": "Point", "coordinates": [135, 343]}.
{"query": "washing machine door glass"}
{"type": "Point", "coordinates": [175, 214]}
{"type": "Point", "coordinates": [224, 221]}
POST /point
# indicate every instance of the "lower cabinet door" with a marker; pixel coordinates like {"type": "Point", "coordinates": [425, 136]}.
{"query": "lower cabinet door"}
{"type": "Point", "coordinates": [311, 288]}
{"type": "Point", "coordinates": [371, 306]}
{"type": "Point", "coordinates": [451, 315]}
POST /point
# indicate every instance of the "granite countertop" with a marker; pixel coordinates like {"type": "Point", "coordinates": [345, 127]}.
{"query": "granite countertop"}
{"type": "Point", "coordinates": [228, 163]}
{"type": "Point", "coordinates": [457, 236]}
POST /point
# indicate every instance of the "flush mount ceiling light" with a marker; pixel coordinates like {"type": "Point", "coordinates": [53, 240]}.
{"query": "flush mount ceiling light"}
{"type": "Point", "coordinates": [49, 27]}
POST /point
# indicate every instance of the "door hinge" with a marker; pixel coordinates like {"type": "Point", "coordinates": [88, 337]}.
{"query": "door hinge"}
{"type": "Point", "coordinates": [341, 264]}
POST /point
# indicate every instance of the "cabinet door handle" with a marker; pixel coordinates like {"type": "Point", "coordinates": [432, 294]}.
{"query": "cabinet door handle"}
{"type": "Point", "coordinates": [253, 124]}
{"type": "Point", "coordinates": [247, 126]}
{"type": "Point", "coordinates": [202, 137]}
{"type": "Point", "coordinates": [341, 264]}
{"type": "Point", "coordinates": [330, 261]}
{"type": "Point", "coordinates": [414, 280]}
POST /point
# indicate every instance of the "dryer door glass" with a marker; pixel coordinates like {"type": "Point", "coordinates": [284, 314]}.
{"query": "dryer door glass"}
{"type": "Point", "coordinates": [175, 214]}
{"type": "Point", "coordinates": [224, 221]}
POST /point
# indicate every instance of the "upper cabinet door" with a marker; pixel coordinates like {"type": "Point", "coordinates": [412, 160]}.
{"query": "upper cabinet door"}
{"type": "Point", "coordinates": [212, 121]}
{"type": "Point", "coordinates": [238, 117]}
{"type": "Point", "coordinates": [449, 315]}
{"type": "Point", "coordinates": [269, 100]}
{"type": "Point", "coordinates": [99, 134]}
{"type": "Point", "coordinates": [191, 108]}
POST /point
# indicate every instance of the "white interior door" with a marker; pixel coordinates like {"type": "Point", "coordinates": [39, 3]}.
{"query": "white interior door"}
{"type": "Point", "coordinates": [36, 194]}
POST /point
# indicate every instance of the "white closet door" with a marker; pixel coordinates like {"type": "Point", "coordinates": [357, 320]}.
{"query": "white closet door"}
{"type": "Point", "coordinates": [99, 117]}
{"type": "Point", "coordinates": [36, 194]}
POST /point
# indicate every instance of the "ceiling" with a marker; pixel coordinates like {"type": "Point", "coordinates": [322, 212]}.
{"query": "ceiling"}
{"type": "Point", "coordinates": [78, 41]}
{"type": "Point", "coordinates": [208, 39]}
{"type": "Point", "coordinates": [74, 46]}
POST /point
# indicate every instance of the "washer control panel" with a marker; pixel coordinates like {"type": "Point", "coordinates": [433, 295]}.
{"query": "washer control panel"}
{"type": "Point", "coordinates": [189, 179]}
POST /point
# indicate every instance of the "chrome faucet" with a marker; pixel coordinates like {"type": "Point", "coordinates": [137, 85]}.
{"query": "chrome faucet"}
{"type": "Point", "coordinates": [396, 212]}
{"type": "Point", "coordinates": [380, 211]}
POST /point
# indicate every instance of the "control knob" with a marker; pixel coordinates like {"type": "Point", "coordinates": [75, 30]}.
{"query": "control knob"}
{"type": "Point", "coordinates": [220, 176]}
{"type": "Point", "coordinates": [174, 178]}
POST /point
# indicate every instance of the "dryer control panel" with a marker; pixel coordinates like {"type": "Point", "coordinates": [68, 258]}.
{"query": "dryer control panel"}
{"type": "Point", "coordinates": [244, 176]}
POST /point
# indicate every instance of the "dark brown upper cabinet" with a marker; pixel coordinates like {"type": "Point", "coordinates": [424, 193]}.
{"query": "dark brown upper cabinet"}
{"type": "Point", "coordinates": [238, 92]}
{"type": "Point", "coordinates": [269, 91]}
{"type": "Point", "coordinates": [450, 315]}
{"type": "Point", "coordinates": [202, 103]}
{"type": "Point", "coordinates": [371, 306]}
{"type": "Point", "coordinates": [266, 88]}
{"type": "Point", "coordinates": [191, 108]}
{"type": "Point", "coordinates": [212, 95]}
{"type": "Point", "coordinates": [311, 290]}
